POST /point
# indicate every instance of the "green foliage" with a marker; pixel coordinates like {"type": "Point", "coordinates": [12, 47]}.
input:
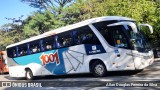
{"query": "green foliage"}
{"type": "Point", "coordinates": [39, 23]}
{"type": "Point", "coordinates": [10, 34]}
{"type": "Point", "coordinates": [54, 6]}
{"type": "Point", "coordinates": [143, 11]}
{"type": "Point", "coordinates": [64, 13]}
{"type": "Point", "coordinates": [7, 38]}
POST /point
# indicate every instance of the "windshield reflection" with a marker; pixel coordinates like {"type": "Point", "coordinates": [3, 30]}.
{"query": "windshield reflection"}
{"type": "Point", "coordinates": [138, 41]}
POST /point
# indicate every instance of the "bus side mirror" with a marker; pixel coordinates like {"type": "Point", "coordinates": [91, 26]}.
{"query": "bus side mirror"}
{"type": "Point", "coordinates": [149, 26]}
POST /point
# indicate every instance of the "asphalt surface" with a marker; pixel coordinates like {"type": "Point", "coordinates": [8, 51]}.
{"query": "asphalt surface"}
{"type": "Point", "coordinates": [149, 78]}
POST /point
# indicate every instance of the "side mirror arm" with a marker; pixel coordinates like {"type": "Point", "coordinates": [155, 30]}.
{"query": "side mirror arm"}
{"type": "Point", "coordinates": [150, 27]}
{"type": "Point", "coordinates": [131, 24]}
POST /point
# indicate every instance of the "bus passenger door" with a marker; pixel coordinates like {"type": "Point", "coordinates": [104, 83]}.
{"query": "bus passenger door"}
{"type": "Point", "coordinates": [121, 55]}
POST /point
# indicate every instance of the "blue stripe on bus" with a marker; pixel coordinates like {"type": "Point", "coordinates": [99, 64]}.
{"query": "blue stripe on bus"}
{"type": "Point", "coordinates": [36, 58]}
{"type": "Point", "coordinates": [55, 67]}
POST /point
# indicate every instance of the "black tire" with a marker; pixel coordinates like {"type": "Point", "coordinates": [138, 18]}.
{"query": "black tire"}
{"type": "Point", "coordinates": [29, 74]}
{"type": "Point", "coordinates": [138, 71]}
{"type": "Point", "coordinates": [99, 69]}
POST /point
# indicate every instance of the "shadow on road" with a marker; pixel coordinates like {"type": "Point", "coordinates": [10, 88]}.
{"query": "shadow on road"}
{"type": "Point", "coordinates": [84, 75]}
{"type": "Point", "coordinates": [89, 75]}
{"type": "Point", "coordinates": [90, 82]}
{"type": "Point", "coordinates": [152, 68]}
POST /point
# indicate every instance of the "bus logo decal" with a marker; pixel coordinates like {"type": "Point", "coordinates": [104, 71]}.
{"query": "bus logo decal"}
{"type": "Point", "coordinates": [50, 58]}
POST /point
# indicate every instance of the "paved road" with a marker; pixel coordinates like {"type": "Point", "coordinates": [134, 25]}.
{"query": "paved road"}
{"type": "Point", "coordinates": [150, 75]}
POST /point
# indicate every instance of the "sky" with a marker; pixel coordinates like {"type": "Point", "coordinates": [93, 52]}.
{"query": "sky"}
{"type": "Point", "coordinates": [13, 9]}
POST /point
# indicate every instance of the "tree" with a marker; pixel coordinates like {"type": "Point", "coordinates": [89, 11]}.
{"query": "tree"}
{"type": "Point", "coordinates": [57, 13]}
{"type": "Point", "coordinates": [143, 11]}
{"type": "Point", "coordinates": [40, 22]}
{"type": "Point", "coordinates": [9, 37]}
{"type": "Point", "coordinates": [54, 6]}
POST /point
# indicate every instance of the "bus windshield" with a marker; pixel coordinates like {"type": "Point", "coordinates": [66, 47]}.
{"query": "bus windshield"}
{"type": "Point", "coordinates": [119, 35]}
{"type": "Point", "coordinates": [138, 41]}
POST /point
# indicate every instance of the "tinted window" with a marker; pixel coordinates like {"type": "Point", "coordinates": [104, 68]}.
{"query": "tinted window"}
{"type": "Point", "coordinates": [85, 35]}
{"type": "Point", "coordinates": [22, 50]}
{"type": "Point", "coordinates": [10, 52]}
{"type": "Point", "coordinates": [114, 35]}
{"type": "Point", "coordinates": [34, 47]}
{"type": "Point", "coordinates": [119, 38]}
{"type": "Point", "coordinates": [104, 30]}
{"type": "Point", "coordinates": [64, 40]}
{"type": "Point", "coordinates": [48, 43]}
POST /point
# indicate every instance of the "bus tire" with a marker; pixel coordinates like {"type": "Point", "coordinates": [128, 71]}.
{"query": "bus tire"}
{"type": "Point", "coordinates": [99, 69]}
{"type": "Point", "coordinates": [29, 74]}
{"type": "Point", "coordinates": [138, 71]}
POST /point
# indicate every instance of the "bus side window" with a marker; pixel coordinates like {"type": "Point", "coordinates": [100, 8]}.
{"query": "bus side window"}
{"type": "Point", "coordinates": [22, 52]}
{"type": "Point", "coordinates": [76, 39]}
{"type": "Point", "coordinates": [64, 39]}
{"type": "Point", "coordinates": [48, 43]}
{"type": "Point", "coordinates": [105, 30]}
{"type": "Point", "coordinates": [119, 39]}
{"type": "Point", "coordinates": [11, 52]}
{"type": "Point", "coordinates": [68, 40]}
{"type": "Point", "coordinates": [85, 35]}
{"type": "Point", "coordinates": [60, 41]}
{"type": "Point", "coordinates": [34, 47]}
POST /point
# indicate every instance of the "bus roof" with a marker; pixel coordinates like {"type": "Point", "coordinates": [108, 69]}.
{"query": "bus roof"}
{"type": "Point", "coordinates": [70, 27]}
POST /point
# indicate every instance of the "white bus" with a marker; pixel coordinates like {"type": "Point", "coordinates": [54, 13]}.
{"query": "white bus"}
{"type": "Point", "coordinates": [98, 45]}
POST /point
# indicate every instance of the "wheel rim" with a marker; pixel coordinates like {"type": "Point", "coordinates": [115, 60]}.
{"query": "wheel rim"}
{"type": "Point", "coordinates": [99, 69]}
{"type": "Point", "coordinates": [29, 75]}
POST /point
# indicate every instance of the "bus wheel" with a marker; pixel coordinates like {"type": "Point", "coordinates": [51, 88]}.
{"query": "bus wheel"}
{"type": "Point", "coordinates": [99, 69]}
{"type": "Point", "coordinates": [29, 75]}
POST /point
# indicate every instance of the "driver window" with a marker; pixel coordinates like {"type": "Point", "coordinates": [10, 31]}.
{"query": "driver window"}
{"type": "Point", "coordinates": [120, 39]}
